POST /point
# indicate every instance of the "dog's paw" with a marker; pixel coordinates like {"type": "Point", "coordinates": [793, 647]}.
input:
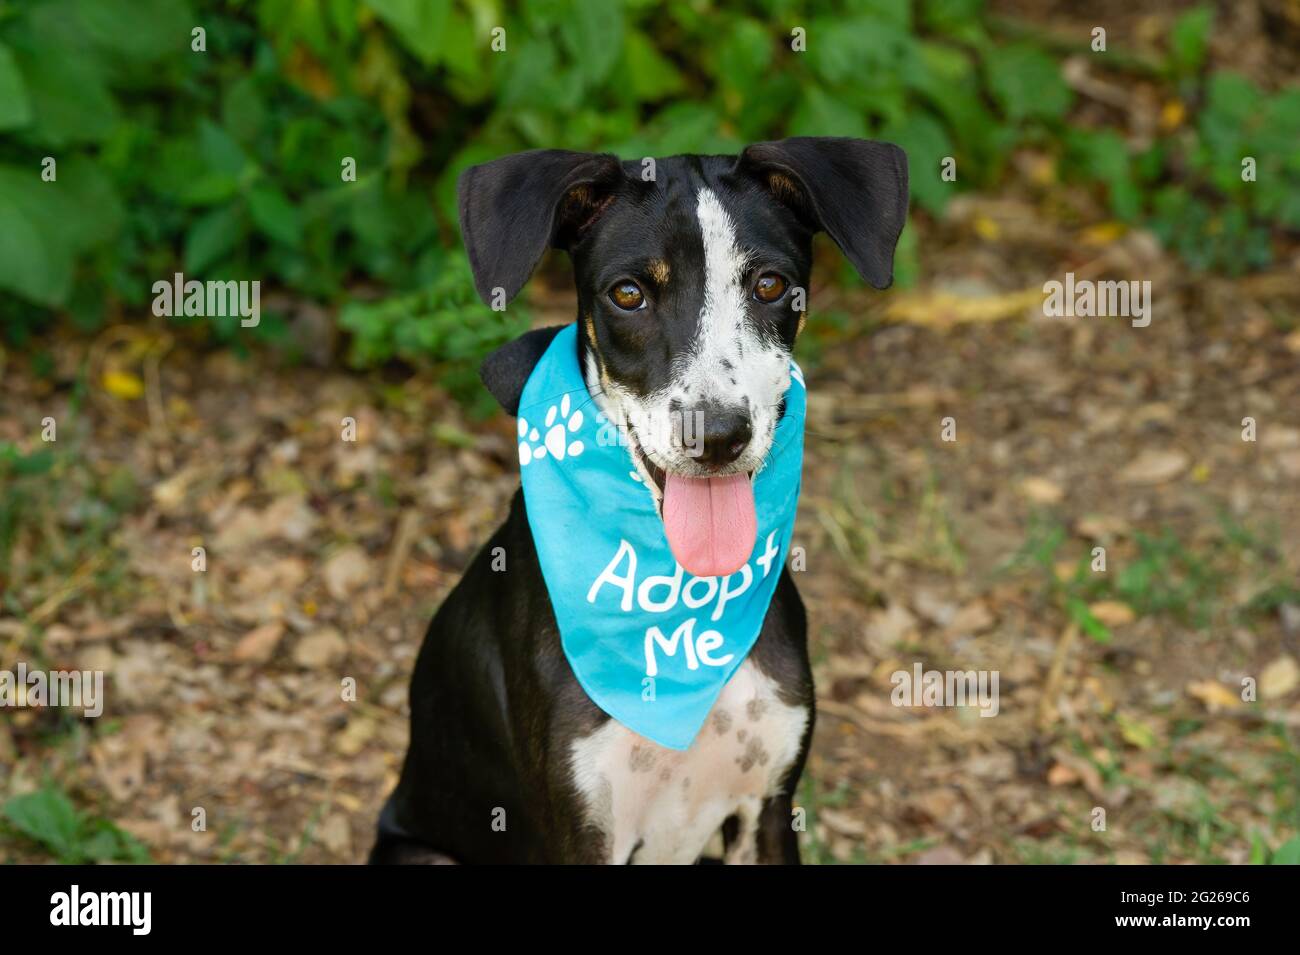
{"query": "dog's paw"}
{"type": "Point", "coordinates": [556, 444]}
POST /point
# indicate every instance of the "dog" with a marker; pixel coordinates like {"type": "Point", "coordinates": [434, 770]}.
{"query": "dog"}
{"type": "Point", "coordinates": [691, 275]}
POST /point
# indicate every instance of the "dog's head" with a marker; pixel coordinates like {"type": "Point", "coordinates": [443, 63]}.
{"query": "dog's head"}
{"type": "Point", "coordinates": [691, 276]}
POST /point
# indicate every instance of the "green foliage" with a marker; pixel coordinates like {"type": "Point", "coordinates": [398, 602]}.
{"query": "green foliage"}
{"type": "Point", "coordinates": [1288, 853]}
{"type": "Point", "coordinates": [445, 319]}
{"type": "Point", "coordinates": [55, 498]}
{"type": "Point", "coordinates": [227, 163]}
{"type": "Point", "coordinates": [1191, 186]}
{"type": "Point", "coordinates": [1163, 576]}
{"type": "Point", "coordinates": [72, 837]}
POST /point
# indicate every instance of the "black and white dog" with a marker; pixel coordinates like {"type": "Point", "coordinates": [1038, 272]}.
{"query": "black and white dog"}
{"type": "Point", "coordinates": [684, 285]}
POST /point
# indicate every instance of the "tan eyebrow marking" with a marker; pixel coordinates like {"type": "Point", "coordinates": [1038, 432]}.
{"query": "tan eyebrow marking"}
{"type": "Point", "coordinates": [659, 271]}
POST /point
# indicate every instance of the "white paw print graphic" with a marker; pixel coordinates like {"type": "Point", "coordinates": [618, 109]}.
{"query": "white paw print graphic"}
{"type": "Point", "coordinates": [556, 443]}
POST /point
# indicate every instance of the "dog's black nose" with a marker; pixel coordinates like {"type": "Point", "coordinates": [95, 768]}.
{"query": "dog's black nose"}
{"type": "Point", "coordinates": [720, 435]}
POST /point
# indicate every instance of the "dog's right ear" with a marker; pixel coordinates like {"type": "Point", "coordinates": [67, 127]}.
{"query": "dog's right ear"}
{"type": "Point", "coordinates": [511, 209]}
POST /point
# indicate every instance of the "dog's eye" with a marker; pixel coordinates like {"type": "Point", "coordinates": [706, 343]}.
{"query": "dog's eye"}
{"type": "Point", "coordinates": [627, 296]}
{"type": "Point", "coordinates": [769, 287]}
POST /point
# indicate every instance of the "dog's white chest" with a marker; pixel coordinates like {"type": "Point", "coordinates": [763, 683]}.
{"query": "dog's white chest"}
{"type": "Point", "coordinates": [664, 805]}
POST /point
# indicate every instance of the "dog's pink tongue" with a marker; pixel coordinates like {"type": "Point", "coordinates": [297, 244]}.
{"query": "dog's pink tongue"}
{"type": "Point", "coordinates": [710, 522]}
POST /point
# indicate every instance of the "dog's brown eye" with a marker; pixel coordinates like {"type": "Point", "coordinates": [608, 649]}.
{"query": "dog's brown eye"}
{"type": "Point", "coordinates": [769, 287]}
{"type": "Point", "coordinates": [627, 296]}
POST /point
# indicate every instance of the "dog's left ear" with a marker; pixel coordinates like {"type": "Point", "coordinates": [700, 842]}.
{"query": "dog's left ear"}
{"type": "Point", "coordinates": [855, 190]}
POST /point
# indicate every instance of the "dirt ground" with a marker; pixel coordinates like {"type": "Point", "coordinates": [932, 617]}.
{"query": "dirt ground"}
{"type": "Point", "coordinates": [1121, 735]}
{"type": "Point", "coordinates": [1120, 690]}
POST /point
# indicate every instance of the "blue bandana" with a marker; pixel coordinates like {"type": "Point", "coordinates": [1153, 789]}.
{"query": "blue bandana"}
{"type": "Point", "coordinates": [651, 645]}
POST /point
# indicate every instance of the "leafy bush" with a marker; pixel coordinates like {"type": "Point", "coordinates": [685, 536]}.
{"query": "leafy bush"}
{"type": "Point", "coordinates": [1189, 185]}
{"type": "Point", "coordinates": [229, 163]}
{"type": "Point", "coordinates": [445, 320]}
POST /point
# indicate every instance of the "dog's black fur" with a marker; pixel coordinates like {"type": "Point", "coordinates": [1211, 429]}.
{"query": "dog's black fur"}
{"type": "Point", "coordinates": [494, 703]}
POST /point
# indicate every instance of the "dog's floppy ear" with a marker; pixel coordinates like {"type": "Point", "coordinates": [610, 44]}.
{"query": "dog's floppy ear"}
{"type": "Point", "coordinates": [511, 209]}
{"type": "Point", "coordinates": [855, 190]}
{"type": "Point", "coordinates": [505, 370]}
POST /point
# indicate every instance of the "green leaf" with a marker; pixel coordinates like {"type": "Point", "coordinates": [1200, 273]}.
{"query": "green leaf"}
{"type": "Point", "coordinates": [744, 55]}
{"type": "Point", "coordinates": [1189, 39]}
{"type": "Point", "coordinates": [1103, 155]}
{"type": "Point", "coordinates": [648, 75]}
{"type": "Point", "coordinates": [593, 35]}
{"type": "Point", "coordinates": [242, 110]}
{"type": "Point", "coordinates": [683, 127]}
{"type": "Point", "coordinates": [15, 110]}
{"type": "Point", "coordinates": [211, 239]}
{"type": "Point", "coordinates": [532, 76]}
{"type": "Point", "coordinates": [895, 13]}
{"type": "Point", "coordinates": [1087, 621]}
{"type": "Point", "coordinates": [143, 30]}
{"type": "Point", "coordinates": [275, 215]}
{"type": "Point", "coordinates": [417, 23]}
{"type": "Point", "coordinates": [182, 174]}
{"type": "Point", "coordinates": [221, 152]}
{"type": "Point", "coordinates": [463, 54]}
{"type": "Point", "coordinates": [48, 817]}
{"type": "Point", "coordinates": [1028, 84]}
{"type": "Point", "coordinates": [45, 226]}
{"type": "Point", "coordinates": [92, 212]}
{"type": "Point", "coordinates": [952, 16]}
{"type": "Point", "coordinates": [70, 102]}
{"type": "Point", "coordinates": [1258, 851]}
{"type": "Point", "coordinates": [820, 114]}
{"type": "Point", "coordinates": [25, 465]}
{"type": "Point", "coordinates": [31, 263]}
{"type": "Point", "coordinates": [857, 50]}
{"type": "Point", "coordinates": [926, 145]}
{"type": "Point", "coordinates": [1288, 853]}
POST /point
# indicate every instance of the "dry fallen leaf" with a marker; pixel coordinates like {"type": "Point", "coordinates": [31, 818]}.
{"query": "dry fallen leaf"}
{"type": "Point", "coordinates": [336, 834]}
{"type": "Point", "coordinates": [1279, 678]}
{"type": "Point", "coordinates": [1041, 490]}
{"type": "Point", "coordinates": [346, 571]}
{"type": "Point", "coordinates": [1214, 695]}
{"type": "Point", "coordinates": [120, 766]}
{"type": "Point", "coordinates": [940, 855]}
{"type": "Point", "coordinates": [1070, 768]}
{"type": "Point", "coordinates": [947, 308]}
{"type": "Point", "coordinates": [1154, 467]}
{"type": "Point", "coordinates": [123, 384]}
{"type": "Point", "coordinates": [355, 735]}
{"type": "Point", "coordinates": [974, 617]}
{"type": "Point", "coordinates": [889, 627]}
{"type": "Point", "coordinates": [1061, 775]}
{"type": "Point", "coordinates": [844, 823]}
{"type": "Point", "coordinates": [320, 648]}
{"type": "Point", "coordinates": [259, 644]}
{"type": "Point", "coordinates": [1112, 613]}
{"type": "Point", "coordinates": [1135, 732]}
